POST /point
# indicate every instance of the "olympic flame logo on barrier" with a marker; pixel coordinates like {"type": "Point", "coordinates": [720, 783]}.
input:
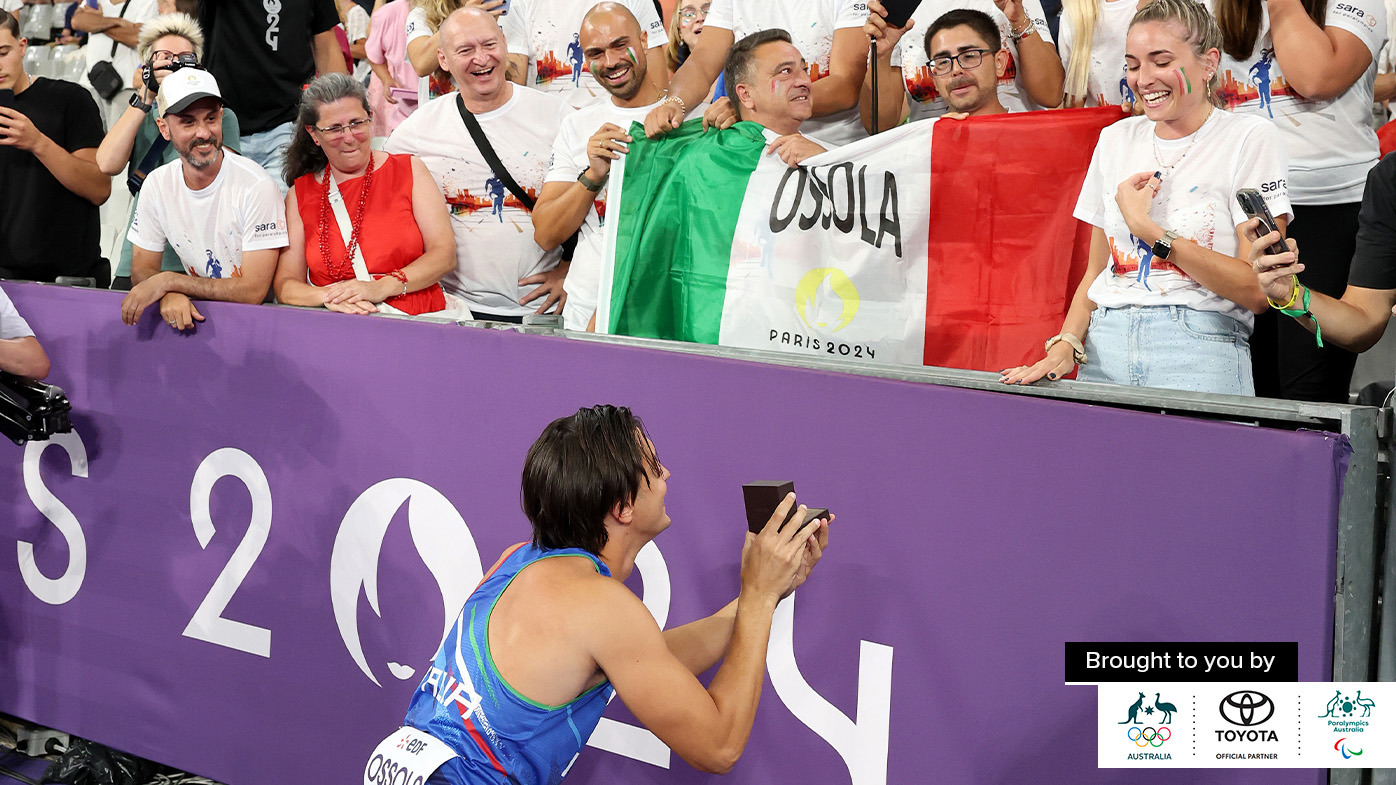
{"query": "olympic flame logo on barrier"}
{"type": "Point", "coordinates": [1149, 736]}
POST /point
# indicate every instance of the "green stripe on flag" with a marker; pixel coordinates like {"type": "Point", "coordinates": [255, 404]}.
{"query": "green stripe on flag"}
{"type": "Point", "coordinates": [680, 200]}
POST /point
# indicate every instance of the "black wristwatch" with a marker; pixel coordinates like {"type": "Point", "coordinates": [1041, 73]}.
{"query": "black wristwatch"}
{"type": "Point", "coordinates": [138, 103]}
{"type": "Point", "coordinates": [1164, 246]}
{"type": "Point", "coordinates": [590, 184]}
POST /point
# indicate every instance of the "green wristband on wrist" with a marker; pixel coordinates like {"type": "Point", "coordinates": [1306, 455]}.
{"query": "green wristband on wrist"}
{"type": "Point", "coordinates": [1305, 313]}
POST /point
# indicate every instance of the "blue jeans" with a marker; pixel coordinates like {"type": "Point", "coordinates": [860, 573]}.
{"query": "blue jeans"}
{"type": "Point", "coordinates": [1171, 346]}
{"type": "Point", "coordinates": [268, 149]}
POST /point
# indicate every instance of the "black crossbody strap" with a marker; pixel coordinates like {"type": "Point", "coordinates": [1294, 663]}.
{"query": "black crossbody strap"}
{"type": "Point", "coordinates": [121, 15]}
{"type": "Point", "coordinates": [491, 157]}
{"type": "Point", "coordinates": [136, 178]}
{"type": "Point", "coordinates": [569, 246]}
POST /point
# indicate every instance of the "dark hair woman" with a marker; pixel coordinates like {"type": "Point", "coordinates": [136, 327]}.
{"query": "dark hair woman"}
{"type": "Point", "coordinates": [369, 231]}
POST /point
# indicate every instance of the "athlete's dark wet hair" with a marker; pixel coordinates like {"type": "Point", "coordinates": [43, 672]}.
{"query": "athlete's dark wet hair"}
{"type": "Point", "coordinates": [579, 469]}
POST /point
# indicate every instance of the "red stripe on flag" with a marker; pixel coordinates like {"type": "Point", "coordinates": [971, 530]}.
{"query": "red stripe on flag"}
{"type": "Point", "coordinates": [1005, 254]}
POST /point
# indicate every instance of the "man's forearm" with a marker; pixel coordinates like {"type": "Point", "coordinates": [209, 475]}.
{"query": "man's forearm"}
{"type": "Point", "coordinates": [1043, 76]}
{"type": "Point", "coordinates": [891, 95]}
{"type": "Point", "coordinates": [736, 689]}
{"type": "Point", "coordinates": [556, 219]}
{"type": "Point", "coordinates": [228, 290]}
{"type": "Point", "coordinates": [124, 32]}
{"type": "Point", "coordinates": [79, 175]}
{"type": "Point", "coordinates": [700, 644]}
{"type": "Point", "coordinates": [834, 93]}
{"type": "Point", "coordinates": [88, 20]}
{"type": "Point", "coordinates": [329, 58]}
{"type": "Point", "coordinates": [23, 357]}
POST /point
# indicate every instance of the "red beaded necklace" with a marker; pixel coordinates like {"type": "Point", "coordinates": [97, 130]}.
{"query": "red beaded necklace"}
{"type": "Point", "coordinates": [346, 271]}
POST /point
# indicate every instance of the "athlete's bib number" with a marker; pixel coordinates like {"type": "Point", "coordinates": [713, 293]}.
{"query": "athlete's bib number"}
{"type": "Point", "coordinates": [407, 757]}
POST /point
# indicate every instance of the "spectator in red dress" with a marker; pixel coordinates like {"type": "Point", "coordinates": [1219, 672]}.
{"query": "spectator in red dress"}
{"type": "Point", "coordinates": [370, 229]}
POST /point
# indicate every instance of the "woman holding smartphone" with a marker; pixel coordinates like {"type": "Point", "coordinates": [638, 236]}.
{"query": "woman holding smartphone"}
{"type": "Point", "coordinates": [1308, 67]}
{"type": "Point", "coordinates": [1168, 299]}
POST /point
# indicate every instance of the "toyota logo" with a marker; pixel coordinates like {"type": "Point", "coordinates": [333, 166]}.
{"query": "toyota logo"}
{"type": "Point", "coordinates": [1247, 708]}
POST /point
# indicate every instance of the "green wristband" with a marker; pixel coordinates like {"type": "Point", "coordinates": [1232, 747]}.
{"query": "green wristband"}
{"type": "Point", "coordinates": [1304, 313]}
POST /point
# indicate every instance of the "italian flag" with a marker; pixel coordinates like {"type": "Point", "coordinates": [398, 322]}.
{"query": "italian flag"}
{"type": "Point", "coordinates": [943, 242]}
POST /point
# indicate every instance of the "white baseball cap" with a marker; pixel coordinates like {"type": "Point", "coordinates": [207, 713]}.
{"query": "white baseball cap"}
{"type": "Point", "coordinates": [184, 87]}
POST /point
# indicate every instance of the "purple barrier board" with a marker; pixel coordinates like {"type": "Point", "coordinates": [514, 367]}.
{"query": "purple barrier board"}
{"type": "Point", "coordinates": [243, 559]}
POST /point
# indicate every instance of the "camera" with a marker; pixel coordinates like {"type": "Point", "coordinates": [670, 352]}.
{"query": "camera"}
{"type": "Point", "coordinates": [32, 411]}
{"type": "Point", "coordinates": [182, 60]}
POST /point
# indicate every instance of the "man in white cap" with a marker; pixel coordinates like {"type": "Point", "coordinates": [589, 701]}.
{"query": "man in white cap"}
{"type": "Point", "coordinates": [220, 212]}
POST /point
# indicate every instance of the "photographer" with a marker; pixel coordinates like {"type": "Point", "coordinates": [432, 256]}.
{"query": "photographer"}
{"type": "Point", "coordinates": [134, 144]}
{"type": "Point", "coordinates": [49, 131]}
{"type": "Point", "coordinates": [20, 352]}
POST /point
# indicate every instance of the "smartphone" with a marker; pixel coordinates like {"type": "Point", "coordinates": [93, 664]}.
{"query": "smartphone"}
{"type": "Point", "coordinates": [1253, 205]}
{"type": "Point", "coordinates": [762, 499]}
{"type": "Point", "coordinates": [898, 11]}
{"type": "Point", "coordinates": [7, 99]}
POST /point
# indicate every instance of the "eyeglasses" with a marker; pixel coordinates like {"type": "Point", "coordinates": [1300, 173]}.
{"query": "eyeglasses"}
{"type": "Point", "coordinates": [689, 14]}
{"type": "Point", "coordinates": [183, 59]}
{"type": "Point", "coordinates": [968, 60]}
{"type": "Point", "coordinates": [338, 131]}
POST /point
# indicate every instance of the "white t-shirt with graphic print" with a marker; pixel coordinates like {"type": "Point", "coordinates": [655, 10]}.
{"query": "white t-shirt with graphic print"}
{"type": "Point", "coordinates": [1196, 199]}
{"type": "Point", "coordinates": [12, 325]}
{"type": "Point", "coordinates": [1331, 143]}
{"type": "Point", "coordinates": [495, 248]}
{"type": "Point", "coordinates": [811, 24]}
{"type": "Point", "coordinates": [547, 32]}
{"type": "Point", "coordinates": [1106, 85]}
{"type": "Point", "coordinates": [922, 99]}
{"type": "Point", "coordinates": [210, 229]}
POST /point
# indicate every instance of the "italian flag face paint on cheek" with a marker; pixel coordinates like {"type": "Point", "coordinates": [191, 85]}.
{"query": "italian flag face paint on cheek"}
{"type": "Point", "coordinates": [1183, 83]}
{"type": "Point", "coordinates": [630, 50]}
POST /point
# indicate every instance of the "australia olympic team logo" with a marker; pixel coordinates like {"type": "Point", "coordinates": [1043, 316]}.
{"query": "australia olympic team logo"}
{"type": "Point", "coordinates": [441, 538]}
{"type": "Point", "coordinates": [1149, 736]}
{"type": "Point", "coordinates": [1148, 723]}
{"type": "Point", "coordinates": [814, 296]}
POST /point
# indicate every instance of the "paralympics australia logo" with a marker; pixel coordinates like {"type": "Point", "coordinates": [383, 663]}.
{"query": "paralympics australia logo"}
{"type": "Point", "coordinates": [828, 294]}
{"type": "Point", "coordinates": [442, 540]}
{"type": "Point", "coordinates": [1152, 731]}
{"type": "Point", "coordinates": [1347, 714]}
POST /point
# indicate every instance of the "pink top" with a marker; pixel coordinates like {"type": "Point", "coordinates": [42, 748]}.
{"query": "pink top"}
{"type": "Point", "coordinates": [387, 44]}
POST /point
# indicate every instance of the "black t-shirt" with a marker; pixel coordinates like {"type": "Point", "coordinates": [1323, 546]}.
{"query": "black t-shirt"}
{"type": "Point", "coordinates": [1374, 262]}
{"type": "Point", "coordinates": [262, 53]}
{"type": "Point", "coordinates": [45, 229]}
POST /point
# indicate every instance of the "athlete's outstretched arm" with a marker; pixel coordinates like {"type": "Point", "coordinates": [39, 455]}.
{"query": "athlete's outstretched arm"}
{"type": "Point", "coordinates": [699, 645]}
{"type": "Point", "coordinates": [707, 728]}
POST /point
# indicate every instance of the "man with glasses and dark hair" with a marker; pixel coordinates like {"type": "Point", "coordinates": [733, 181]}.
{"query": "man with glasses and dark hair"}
{"type": "Point", "coordinates": [221, 212]}
{"type": "Point", "coordinates": [967, 60]}
{"type": "Point", "coordinates": [552, 633]}
{"type": "Point", "coordinates": [1030, 78]}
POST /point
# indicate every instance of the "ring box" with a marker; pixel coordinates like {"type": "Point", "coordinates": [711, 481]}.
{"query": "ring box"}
{"type": "Point", "coordinates": [762, 498]}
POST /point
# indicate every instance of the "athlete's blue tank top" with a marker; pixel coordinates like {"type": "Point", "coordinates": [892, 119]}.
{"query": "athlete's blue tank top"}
{"type": "Point", "coordinates": [500, 735]}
